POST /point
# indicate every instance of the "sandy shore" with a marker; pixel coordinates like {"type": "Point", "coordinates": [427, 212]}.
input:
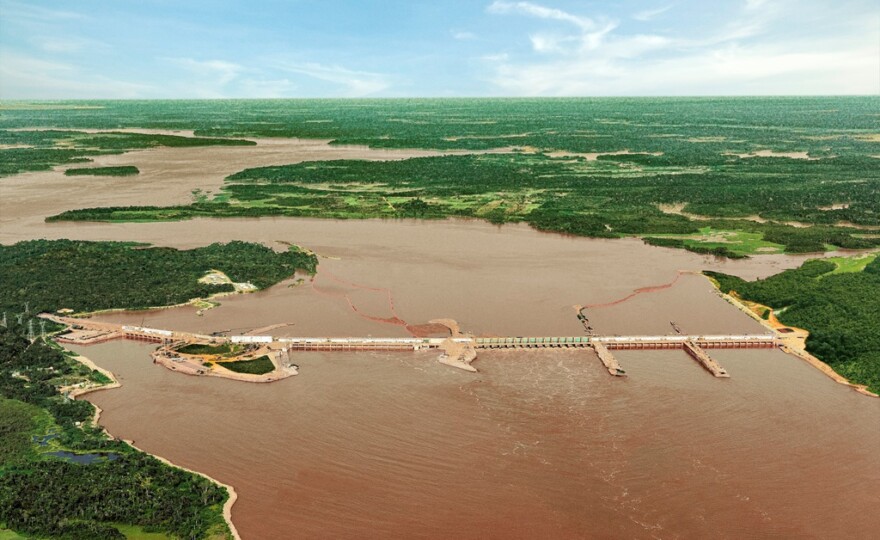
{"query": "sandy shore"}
{"type": "Point", "coordinates": [795, 343]}
{"type": "Point", "coordinates": [81, 391]}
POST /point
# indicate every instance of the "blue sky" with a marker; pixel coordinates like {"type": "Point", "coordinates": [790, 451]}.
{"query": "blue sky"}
{"type": "Point", "coordinates": [346, 48]}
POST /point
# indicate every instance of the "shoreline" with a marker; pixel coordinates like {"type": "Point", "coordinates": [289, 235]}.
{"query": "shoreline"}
{"type": "Point", "coordinates": [76, 393]}
{"type": "Point", "coordinates": [190, 367]}
{"type": "Point", "coordinates": [793, 344]}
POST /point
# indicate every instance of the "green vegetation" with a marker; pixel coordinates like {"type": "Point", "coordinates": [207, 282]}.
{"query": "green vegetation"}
{"type": "Point", "coordinates": [37, 150]}
{"type": "Point", "coordinates": [124, 170]}
{"type": "Point", "coordinates": [732, 244]}
{"type": "Point", "coordinates": [89, 276]}
{"type": "Point", "coordinates": [198, 348]}
{"type": "Point", "coordinates": [119, 490]}
{"type": "Point", "coordinates": [841, 310]}
{"type": "Point", "coordinates": [257, 366]}
{"type": "Point", "coordinates": [574, 196]}
{"type": "Point", "coordinates": [46, 496]}
{"type": "Point", "coordinates": [699, 154]}
{"type": "Point", "coordinates": [851, 264]}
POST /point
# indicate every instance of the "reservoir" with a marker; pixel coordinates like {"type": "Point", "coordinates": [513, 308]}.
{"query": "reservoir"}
{"type": "Point", "coordinates": [539, 443]}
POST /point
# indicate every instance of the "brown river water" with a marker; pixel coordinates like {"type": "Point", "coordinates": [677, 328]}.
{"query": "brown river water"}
{"type": "Point", "coordinates": [538, 444]}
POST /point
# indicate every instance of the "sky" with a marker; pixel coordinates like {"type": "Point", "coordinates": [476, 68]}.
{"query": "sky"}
{"type": "Point", "coordinates": [132, 49]}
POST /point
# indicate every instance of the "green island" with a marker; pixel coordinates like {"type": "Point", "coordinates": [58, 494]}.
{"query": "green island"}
{"type": "Point", "coordinates": [725, 176]}
{"type": "Point", "coordinates": [837, 300]}
{"type": "Point", "coordinates": [24, 149]}
{"type": "Point", "coordinates": [90, 276]}
{"type": "Point", "coordinates": [124, 170]}
{"type": "Point", "coordinates": [257, 366]}
{"type": "Point", "coordinates": [62, 477]}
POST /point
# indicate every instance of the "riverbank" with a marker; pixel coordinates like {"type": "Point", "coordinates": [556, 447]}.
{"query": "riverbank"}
{"type": "Point", "coordinates": [79, 392]}
{"type": "Point", "coordinates": [793, 339]}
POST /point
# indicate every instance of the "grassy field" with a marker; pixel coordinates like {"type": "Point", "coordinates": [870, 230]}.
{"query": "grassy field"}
{"type": "Point", "coordinates": [257, 366]}
{"type": "Point", "coordinates": [736, 242]}
{"type": "Point", "coordinates": [851, 264]}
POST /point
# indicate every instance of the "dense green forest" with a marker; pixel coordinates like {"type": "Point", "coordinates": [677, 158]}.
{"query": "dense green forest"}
{"type": "Point", "coordinates": [86, 276]}
{"type": "Point", "coordinates": [257, 366]}
{"type": "Point", "coordinates": [38, 150]}
{"type": "Point", "coordinates": [723, 159]}
{"type": "Point", "coordinates": [124, 170]}
{"type": "Point", "coordinates": [841, 310]}
{"type": "Point", "coordinates": [46, 496]}
{"type": "Point", "coordinates": [618, 196]}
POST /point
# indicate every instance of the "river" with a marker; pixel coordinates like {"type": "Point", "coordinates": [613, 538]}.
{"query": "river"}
{"type": "Point", "coordinates": [538, 444]}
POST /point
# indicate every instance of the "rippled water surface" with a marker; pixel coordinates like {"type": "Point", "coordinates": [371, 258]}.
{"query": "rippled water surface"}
{"type": "Point", "coordinates": [538, 444]}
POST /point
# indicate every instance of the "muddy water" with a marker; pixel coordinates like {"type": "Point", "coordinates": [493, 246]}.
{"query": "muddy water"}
{"type": "Point", "coordinates": [168, 176]}
{"type": "Point", "coordinates": [536, 445]}
{"type": "Point", "coordinates": [509, 280]}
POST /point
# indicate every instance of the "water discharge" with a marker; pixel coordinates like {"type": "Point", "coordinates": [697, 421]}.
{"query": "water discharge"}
{"type": "Point", "coordinates": [539, 444]}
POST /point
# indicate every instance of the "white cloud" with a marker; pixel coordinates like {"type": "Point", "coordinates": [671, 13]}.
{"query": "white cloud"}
{"type": "Point", "coordinates": [756, 4]}
{"type": "Point", "coordinates": [542, 12]}
{"type": "Point", "coordinates": [749, 70]}
{"type": "Point", "coordinates": [69, 45]}
{"type": "Point", "coordinates": [744, 55]}
{"type": "Point", "coordinates": [649, 14]}
{"type": "Point", "coordinates": [356, 83]}
{"type": "Point", "coordinates": [500, 57]}
{"type": "Point", "coordinates": [589, 37]}
{"type": "Point", "coordinates": [266, 88]}
{"type": "Point", "coordinates": [28, 77]}
{"type": "Point", "coordinates": [464, 36]}
{"type": "Point", "coordinates": [18, 12]}
{"type": "Point", "coordinates": [220, 71]}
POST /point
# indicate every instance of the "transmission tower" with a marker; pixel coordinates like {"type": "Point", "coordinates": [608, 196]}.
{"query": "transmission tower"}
{"type": "Point", "coordinates": [27, 307]}
{"type": "Point", "coordinates": [4, 320]}
{"type": "Point", "coordinates": [31, 336]}
{"type": "Point", "coordinates": [42, 329]}
{"type": "Point", "coordinates": [19, 318]}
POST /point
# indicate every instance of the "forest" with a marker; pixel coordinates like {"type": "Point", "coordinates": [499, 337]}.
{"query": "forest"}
{"type": "Point", "coordinates": [614, 197]}
{"type": "Point", "coordinates": [47, 497]}
{"type": "Point", "coordinates": [799, 173]}
{"type": "Point", "coordinates": [841, 310]}
{"type": "Point", "coordinates": [47, 275]}
{"type": "Point", "coordinates": [257, 366]}
{"type": "Point", "coordinates": [40, 150]}
{"type": "Point", "coordinates": [125, 170]}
